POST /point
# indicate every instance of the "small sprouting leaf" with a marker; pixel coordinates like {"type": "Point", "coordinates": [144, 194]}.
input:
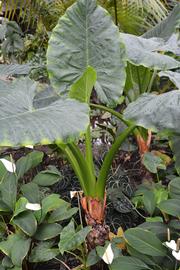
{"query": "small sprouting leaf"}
{"type": "Point", "coordinates": [70, 239]}
{"type": "Point", "coordinates": [47, 231]}
{"type": "Point", "coordinates": [81, 89]}
{"type": "Point", "coordinates": [20, 206]}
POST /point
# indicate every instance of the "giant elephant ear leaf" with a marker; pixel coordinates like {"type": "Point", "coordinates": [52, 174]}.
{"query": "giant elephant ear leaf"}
{"type": "Point", "coordinates": [86, 36]}
{"type": "Point", "coordinates": [21, 123]}
{"type": "Point", "coordinates": [142, 51]}
{"type": "Point", "coordinates": [165, 28]}
{"type": "Point", "coordinates": [157, 112]}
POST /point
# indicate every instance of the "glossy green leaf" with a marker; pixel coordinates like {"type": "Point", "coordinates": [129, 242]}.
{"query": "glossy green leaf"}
{"type": "Point", "coordinates": [141, 51]}
{"type": "Point", "coordinates": [145, 242]}
{"type": "Point", "coordinates": [62, 120]}
{"type": "Point", "coordinates": [8, 190]}
{"type": "Point", "coordinates": [128, 263]}
{"type": "Point", "coordinates": [174, 143]}
{"type": "Point", "coordinates": [43, 253]}
{"type": "Point", "coordinates": [165, 28]}
{"type": "Point", "coordinates": [70, 239]}
{"type": "Point", "coordinates": [174, 188]}
{"type": "Point", "coordinates": [20, 206]}
{"type": "Point", "coordinates": [92, 258]}
{"type": "Point", "coordinates": [48, 177]}
{"type": "Point", "coordinates": [16, 247]}
{"type": "Point", "coordinates": [171, 207]}
{"type": "Point", "coordinates": [31, 192]}
{"type": "Point", "coordinates": [62, 213]}
{"type": "Point", "coordinates": [157, 228]}
{"type": "Point", "coordinates": [31, 160]}
{"type": "Point", "coordinates": [49, 204]}
{"type": "Point", "coordinates": [156, 112]}
{"type": "Point", "coordinates": [82, 89]}
{"type": "Point", "coordinates": [48, 231]}
{"type": "Point", "coordinates": [152, 162]}
{"type": "Point", "coordinates": [27, 222]}
{"type": "Point", "coordinates": [149, 201]}
{"type": "Point", "coordinates": [86, 36]}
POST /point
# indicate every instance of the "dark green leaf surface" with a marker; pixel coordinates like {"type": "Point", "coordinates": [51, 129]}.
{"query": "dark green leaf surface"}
{"type": "Point", "coordinates": [145, 242]}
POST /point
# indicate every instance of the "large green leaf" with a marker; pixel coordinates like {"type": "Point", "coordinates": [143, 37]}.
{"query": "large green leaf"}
{"type": "Point", "coordinates": [16, 247]}
{"type": "Point", "coordinates": [70, 239]}
{"type": "Point", "coordinates": [86, 36]}
{"type": "Point", "coordinates": [165, 28]}
{"type": "Point", "coordinates": [14, 69]}
{"type": "Point", "coordinates": [22, 124]}
{"type": "Point", "coordinates": [141, 51]}
{"type": "Point", "coordinates": [145, 242]}
{"type": "Point", "coordinates": [156, 112]}
{"type": "Point", "coordinates": [128, 263]}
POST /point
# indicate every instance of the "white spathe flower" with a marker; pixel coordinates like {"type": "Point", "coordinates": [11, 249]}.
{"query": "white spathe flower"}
{"type": "Point", "coordinates": [176, 254]}
{"type": "Point", "coordinates": [172, 245]}
{"type": "Point", "coordinates": [10, 166]}
{"type": "Point", "coordinates": [33, 206]}
{"type": "Point", "coordinates": [108, 255]}
{"type": "Point", "coordinates": [73, 194]}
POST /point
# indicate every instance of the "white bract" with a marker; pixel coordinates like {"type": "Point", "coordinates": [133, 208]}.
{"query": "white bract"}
{"type": "Point", "coordinates": [10, 166]}
{"type": "Point", "coordinates": [108, 255]}
{"type": "Point", "coordinates": [176, 254]}
{"type": "Point", "coordinates": [33, 206]}
{"type": "Point", "coordinates": [175, 249]}
{"type": "Point", "coordinates": [172, 245]}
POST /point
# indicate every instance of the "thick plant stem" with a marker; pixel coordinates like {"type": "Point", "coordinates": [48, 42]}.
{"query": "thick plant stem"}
{"type": "Point", "coordinates": [104, 171]}
{"type": "Point", "coordinates": [73, 161]}
{"type": "Point", "coordinates": [89, 154]}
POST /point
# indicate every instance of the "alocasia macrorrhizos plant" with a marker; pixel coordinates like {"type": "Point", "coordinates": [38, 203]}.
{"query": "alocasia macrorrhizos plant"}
{"type": "Point", "coordinates": [84, 52]}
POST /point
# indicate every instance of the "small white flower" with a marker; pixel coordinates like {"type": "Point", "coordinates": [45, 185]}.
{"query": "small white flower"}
{"type": "Point", "coordinates": [33, 206]}
{"type": "Point", "coordinates": [176, 254]}
{"type": "Point", "coordinates": [172, 245]}
{"type": "Point", "coordinates": [108, 255]}
{"type": "Point", "coordinates": [73, 194]}
{"type": "Point", "coordinates": [10, 166]}
{"type": "Point", "coordinates": [29, 146]}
